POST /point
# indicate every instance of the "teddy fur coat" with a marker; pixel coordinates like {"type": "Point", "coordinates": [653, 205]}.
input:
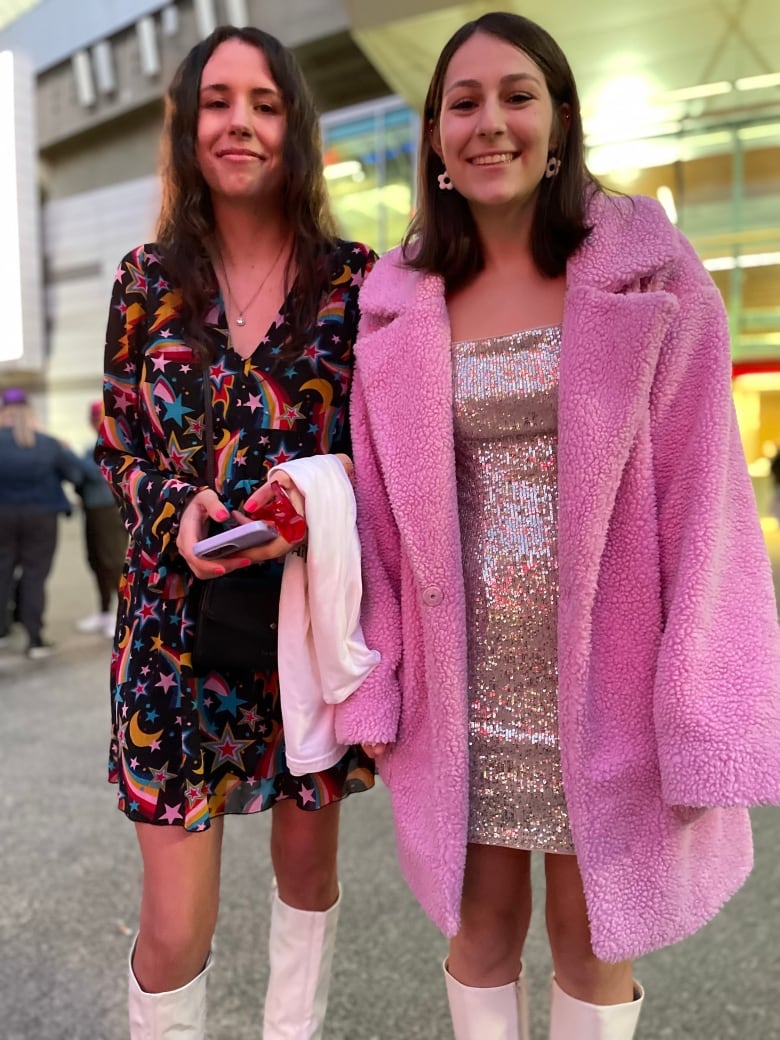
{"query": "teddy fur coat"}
{"type": "Point", "coordinates": [669, 663]}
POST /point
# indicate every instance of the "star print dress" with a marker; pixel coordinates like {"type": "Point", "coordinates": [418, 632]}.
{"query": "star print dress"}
{"type": "Point", "coordinates": [184, 748]}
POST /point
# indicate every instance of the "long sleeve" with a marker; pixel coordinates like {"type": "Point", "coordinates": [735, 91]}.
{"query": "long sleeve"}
{"type": "Point", "coordinates": [150, 496]}
{"type": "Point", "coordinates": [717, 689]}
{"type": "Point", "coordinates": [373, 710]}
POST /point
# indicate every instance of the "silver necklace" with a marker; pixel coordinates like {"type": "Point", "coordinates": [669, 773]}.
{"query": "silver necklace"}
{"type": "Point", "coordinates": [240, 320]}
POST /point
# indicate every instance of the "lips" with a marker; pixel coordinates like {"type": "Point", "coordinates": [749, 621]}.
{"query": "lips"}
{"type": "Point", "coordinates": [497, 159]}
{"type": "Point", "coordinates": [238, 153]}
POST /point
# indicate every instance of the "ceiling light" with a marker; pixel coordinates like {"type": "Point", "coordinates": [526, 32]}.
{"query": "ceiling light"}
{"type": "Point", "coordinates": [703, 90]}
{"type": "Point", "coordinates": [771, 79]}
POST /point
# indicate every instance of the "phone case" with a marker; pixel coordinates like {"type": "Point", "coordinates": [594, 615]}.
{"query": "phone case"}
{"type": "Point", "coordinates": [245, 536]}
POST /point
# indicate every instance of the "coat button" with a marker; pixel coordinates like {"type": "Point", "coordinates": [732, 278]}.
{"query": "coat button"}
{"type": "Point", "coordinates": [432, 596]}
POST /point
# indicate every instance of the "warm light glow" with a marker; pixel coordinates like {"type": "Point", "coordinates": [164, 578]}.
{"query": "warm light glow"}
{"type": "Point", "coordinates": [350, 168]}
{"type": "Point", "coordinates": [702, 90]}
{"type": "Point", "coordinates": [11, 340]}
{"type": "Point", "coordinates": [771, 79]}
{"type": "Point", "coordinates": [728, 263]}
{"type": "Point", "coordinates": [666, 198]}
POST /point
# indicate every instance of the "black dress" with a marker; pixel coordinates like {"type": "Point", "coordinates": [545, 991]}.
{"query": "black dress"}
{"type": "Point", "coordinates": [186, 748]}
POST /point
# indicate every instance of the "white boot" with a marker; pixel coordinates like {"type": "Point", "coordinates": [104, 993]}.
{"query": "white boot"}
{"type": "Point", "coordinates": [495, 1013]}
{"type": "Point", "coordinates": [178, 1015]}
{"type": "Point", "coordinates": [570, 1018]}
{"type": "Point", "coordinates": [300, 957]}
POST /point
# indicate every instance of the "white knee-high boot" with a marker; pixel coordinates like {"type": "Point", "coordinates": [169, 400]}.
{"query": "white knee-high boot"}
{"type": "Point", "coordinates": [301, 949]}
{"type": "Point", "coordinates": [570, 1018]}
{"type": "Point", "coordinates": [494, 1013]}
{"type": "Point", "coordinates": [178, 1015]}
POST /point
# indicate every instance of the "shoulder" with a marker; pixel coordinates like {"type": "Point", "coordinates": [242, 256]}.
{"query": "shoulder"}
{"type": "Point", "coordinates": [139, 268]}
{"type": "Point", "coordinates": [631, 240]}
{"type": "Point", "coordinates": [352, 261]}
{"type": "Point", "coordinates": [392, 285]}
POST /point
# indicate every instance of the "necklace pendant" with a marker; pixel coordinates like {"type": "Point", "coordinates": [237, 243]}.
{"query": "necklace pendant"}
{"type": "Point", "coordinates": [241, 320]}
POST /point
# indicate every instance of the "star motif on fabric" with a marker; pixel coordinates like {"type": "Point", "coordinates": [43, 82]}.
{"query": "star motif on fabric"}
{"type": "Point", "coordinates": [161, 776]}
{"type": "Point", "coordinates": [230, 702]}
{"type": "Point", "coordinates": [267, 788]}
{"type": "Point", "coordinates": [194, 793]}
{"type": "Point", "coordinates": [167, 681]}
{"type": "Point", "coordinates": [255, 401]}
{"type": "Point", "coordinates": [280, 457]}
{"type": "Point", "coordinates": [249, 717]}
{"type": "Point", "coordinates": [228, 748]}
{"type": "Point", "coordinates": [172, 813]}
{"type": "Point", "coordinates": [176, 410]}
{"type": "Point", "coordinates": [180, 457]}
{"type": "Point", "coordinates": [290, 415]}
{"type": "Point", "coordinates": [160, 361]}
{"type": "Point", "coordinates": [307, 795]}
{"type": "Point", "coordinates": [195, 426]}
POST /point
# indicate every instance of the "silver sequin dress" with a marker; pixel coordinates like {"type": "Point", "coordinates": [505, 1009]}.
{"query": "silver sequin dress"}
{"type": "Point", "coordinates": [505, 419]}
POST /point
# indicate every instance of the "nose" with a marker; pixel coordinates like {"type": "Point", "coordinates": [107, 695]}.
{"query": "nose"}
{"type": "Point", "coordinates": [491, 119]}
{"type": "Point", "coordinates": [239, 120]}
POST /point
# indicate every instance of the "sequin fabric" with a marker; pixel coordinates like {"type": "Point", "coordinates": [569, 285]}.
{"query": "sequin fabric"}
{"type": "Point", "coordinates": [505, 420]}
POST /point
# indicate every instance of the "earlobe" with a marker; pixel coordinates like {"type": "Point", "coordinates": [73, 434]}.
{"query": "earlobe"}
{"type": "Point", "coordinates": [436, 140]}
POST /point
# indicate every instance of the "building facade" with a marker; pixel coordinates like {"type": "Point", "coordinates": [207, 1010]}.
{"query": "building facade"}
{"type": "Point", "coordinates": [681, 102]}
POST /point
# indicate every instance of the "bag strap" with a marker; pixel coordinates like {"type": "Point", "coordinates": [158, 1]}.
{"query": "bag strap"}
{"type": "Point", "coordinates": [208, 422]}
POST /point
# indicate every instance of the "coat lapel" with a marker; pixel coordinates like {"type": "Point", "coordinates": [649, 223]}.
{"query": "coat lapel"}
{"type": "Point", "coordinates": [610, 347]}
{"type": "Point", "coordinates": [406, 373]}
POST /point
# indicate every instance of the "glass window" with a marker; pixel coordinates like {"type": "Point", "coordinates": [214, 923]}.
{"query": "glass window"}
{"type": "Point", "coordinates": [370, 158]}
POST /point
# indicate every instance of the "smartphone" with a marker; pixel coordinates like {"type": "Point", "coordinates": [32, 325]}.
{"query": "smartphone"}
{"type": "Point", "coordinates": [244, 536]}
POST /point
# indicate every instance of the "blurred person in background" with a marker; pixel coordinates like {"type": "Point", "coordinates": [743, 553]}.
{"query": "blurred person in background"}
{"type": "Point", "coordinates": [574, 607]}
{"type": "Point", "coordinates": [104, 535]}
{"type": "Point", "coordinates": [248, 275]}
{"type": "Point", "coordinates": [33, 466]}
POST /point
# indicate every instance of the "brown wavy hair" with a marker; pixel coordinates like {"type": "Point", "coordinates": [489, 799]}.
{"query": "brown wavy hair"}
{"type": "Point", "coordinates": [442, 236]}
{"type": "Point", "coordinates": [185, 227]}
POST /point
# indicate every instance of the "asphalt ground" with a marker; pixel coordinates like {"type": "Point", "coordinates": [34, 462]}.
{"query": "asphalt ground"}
{"type": "Point", "coordinates": [70, 884]}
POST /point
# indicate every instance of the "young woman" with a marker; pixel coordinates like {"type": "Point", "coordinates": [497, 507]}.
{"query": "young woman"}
{"type": "Point", "coordinates": [247, 272]}
{"type": "Point", "coordinates": [564, 570]}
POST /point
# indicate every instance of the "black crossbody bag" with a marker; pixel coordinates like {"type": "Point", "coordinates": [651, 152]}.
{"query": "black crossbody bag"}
{"type": "Point", "coordinates": [237, 615]}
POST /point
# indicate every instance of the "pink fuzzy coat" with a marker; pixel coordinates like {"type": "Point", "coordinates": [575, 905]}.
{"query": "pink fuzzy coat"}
{"type": "Point", "coordinates": [669, 659]}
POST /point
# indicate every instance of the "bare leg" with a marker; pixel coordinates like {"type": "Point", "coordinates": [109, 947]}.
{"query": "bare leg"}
{"type": "Point", "coordinates": [577, 969]}
{"type": "Point", "coordinates": [495, 915]}
{"type": "Point", "coordinates": [304, 848]}
{"type": "Point", "coordinates": [179, 904]}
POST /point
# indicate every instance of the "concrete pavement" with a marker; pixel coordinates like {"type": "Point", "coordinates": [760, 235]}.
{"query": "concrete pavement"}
{"type": "Point", "coordinates": [71, 880]}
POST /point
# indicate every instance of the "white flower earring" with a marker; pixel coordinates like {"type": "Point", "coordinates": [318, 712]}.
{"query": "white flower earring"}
{"type": "Point", "coordinates": [553, 166]}
{"type": "Point", "coordinates": [445, 182]}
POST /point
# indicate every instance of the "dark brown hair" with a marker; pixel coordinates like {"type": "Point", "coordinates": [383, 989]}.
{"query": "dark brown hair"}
{"type": "Point", "coordinates": [185, 227]}
{"type": "Point", "coordinates": [443, 237]}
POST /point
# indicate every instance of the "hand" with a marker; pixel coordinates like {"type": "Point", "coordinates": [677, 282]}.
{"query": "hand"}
{"type": "Point", "coordinates": [193, 526]}
{"type": "Point", "coordinates": [375, 750]}
{"type": "Point", "coordinates": [281, 504]}
{"type": "Point", "coordinates": [348, 465]}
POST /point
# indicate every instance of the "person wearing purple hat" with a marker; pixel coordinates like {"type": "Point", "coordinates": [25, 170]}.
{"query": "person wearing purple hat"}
{"type": "Point", "coordinates": [33, 466]}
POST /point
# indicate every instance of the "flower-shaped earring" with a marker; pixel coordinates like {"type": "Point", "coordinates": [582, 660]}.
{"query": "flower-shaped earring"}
{"type": "Point", "coordinates": [553, 165]}
{"type": "Point", "coordinates": [445, 181]}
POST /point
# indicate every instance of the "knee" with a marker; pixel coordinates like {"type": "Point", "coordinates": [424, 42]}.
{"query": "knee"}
{"type": "Point", "coordinates": [491, 937]}
{"type": "Point", "coordinates": [306, 869]}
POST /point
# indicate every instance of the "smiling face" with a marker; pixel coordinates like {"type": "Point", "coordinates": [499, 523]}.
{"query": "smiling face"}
{"type": "Point", "coordinates": [495, 131]}
{"type": "Point", "coordinates": [241, 125]}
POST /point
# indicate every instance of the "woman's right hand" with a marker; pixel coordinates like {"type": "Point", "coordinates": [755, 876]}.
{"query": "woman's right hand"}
{"type": "Point", "coordinates": [193, 526]}
{"type": "Point", "coordinates": [375, 750]}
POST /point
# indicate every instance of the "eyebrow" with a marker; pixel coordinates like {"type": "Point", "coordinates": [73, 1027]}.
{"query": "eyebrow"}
{"type": "Point", "coordinates": [223, 88]}
{"type": "Point", "coordinates": [512, 78]}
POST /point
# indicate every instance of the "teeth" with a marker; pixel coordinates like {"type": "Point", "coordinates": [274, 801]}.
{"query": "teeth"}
{"type": "Point", "coordinates": [492, 160]}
